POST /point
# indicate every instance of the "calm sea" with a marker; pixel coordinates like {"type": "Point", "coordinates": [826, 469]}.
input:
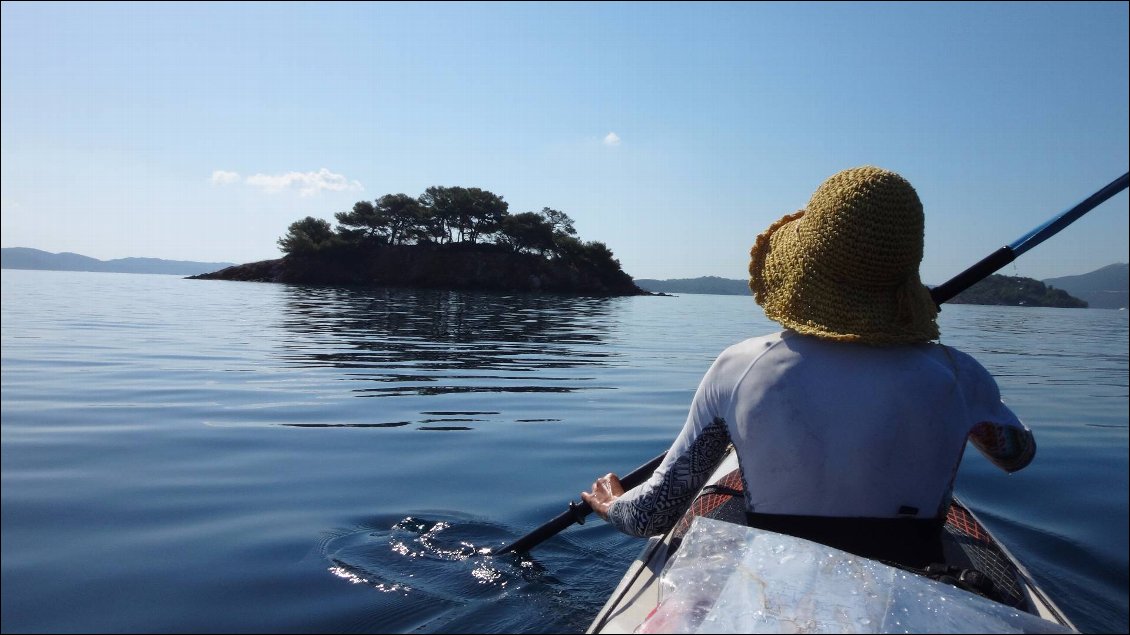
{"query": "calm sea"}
{"type": "Point", "coordinates": [217, 456]}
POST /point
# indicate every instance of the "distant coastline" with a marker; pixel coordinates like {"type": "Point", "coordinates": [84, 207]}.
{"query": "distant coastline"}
{"type": "Point", "coordinates": [1104, 288]}
{"type": "Point", "coordinates": [27, 258]}
{"type": "Point", "coordinates": [709, 284]}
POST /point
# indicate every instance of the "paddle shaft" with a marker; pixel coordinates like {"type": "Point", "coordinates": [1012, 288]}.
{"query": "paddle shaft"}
{"type": "Point", "coordinates": [578, 511]}
{"type": "Point", "coordinates": [946, 291]}
{"type": "Point", "coordinates": [995, 261]}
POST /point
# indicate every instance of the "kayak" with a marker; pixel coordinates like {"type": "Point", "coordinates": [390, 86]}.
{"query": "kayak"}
{"type": "Point", "coordinates": [684, 582]}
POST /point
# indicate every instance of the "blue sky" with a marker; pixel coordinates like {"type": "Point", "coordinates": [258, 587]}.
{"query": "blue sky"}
{"type": "Point", "coordinates": [674, 133]}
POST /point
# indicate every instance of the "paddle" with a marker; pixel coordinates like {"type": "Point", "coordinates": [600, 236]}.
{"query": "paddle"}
{"type": "Point", "coordinates": [946, 291]}
{"type": "Point", "coordinates": [577, 511]}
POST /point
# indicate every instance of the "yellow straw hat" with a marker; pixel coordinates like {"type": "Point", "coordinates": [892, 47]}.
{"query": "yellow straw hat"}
{"type": "Point", "coordinates": [846, 267]}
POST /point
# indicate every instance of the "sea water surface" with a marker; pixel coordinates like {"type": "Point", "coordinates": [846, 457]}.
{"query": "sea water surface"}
{"type": "Point", "coordinates": [214, 456]}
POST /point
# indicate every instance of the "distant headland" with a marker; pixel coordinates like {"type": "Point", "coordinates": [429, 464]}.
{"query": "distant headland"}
{"type": "Point", "coordinates": [1000, 290]}
{"type": "Point", "coordinates": [1105, 288]}
{"type": "Point", "coordinates": [27, 258]}
{"type": "Point", "coordinates": [447, 238]}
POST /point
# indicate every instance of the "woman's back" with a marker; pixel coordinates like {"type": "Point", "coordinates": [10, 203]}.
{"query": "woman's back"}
{"type": "Point", "coordinates": [826, 428]}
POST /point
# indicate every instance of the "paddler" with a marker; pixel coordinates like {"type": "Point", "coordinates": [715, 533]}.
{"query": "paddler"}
{"type": "Point", "coordinates": [850, 423]}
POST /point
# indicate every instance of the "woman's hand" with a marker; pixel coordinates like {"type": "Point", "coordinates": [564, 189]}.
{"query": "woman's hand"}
{"type": "Point", "coordinates": [605, 491]}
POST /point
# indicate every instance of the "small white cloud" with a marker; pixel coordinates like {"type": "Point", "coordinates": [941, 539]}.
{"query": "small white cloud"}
{"type": "Point", "coordinates": [308, 183]}
{"type": "Point", "coordinates": [223, 177]}
{"type": "Point", "coordinates": [612, 139]}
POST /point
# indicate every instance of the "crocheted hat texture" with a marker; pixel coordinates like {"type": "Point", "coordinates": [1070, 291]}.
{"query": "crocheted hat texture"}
{"type": "Point", "coordinates": [846, 267]}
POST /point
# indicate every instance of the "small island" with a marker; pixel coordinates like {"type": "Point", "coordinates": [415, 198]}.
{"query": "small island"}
{"type": "Point", "coordinates": [447, 238]}
{"type": "Point", "coordinates": [1016, 291]}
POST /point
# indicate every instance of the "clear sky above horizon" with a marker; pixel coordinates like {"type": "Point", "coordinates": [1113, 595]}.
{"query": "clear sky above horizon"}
{"type": "Point", "coordinates": [675, 133]}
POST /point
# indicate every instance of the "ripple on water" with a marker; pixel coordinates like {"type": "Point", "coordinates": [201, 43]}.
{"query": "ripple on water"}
{"type": "Point", "coordinates": [437, 574]}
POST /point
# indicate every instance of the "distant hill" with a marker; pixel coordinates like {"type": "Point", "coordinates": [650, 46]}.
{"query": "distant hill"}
{"type": "Point", "coordinates": [25, 258]}
{"type": "Point", "coordinates": [1016, 291]}
{"type": "Point", "coordinates": [709, 284]}
{"type": "Point", "coordinates": [1105, 288]}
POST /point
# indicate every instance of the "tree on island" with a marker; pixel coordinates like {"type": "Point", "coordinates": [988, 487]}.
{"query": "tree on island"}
{"type": "Point", "coordinates": [394, 219]}
{"type": "Point", "coordinates": [361, 224]}
{"type": "Point", "coordinates": [559, 222]}
{"type": "Point", "coordinates": [442, 205]}
{"type": "Point", "coordinates": [482, 214]}
{"type": "Point", "coordinates": [469, 213]}
{"type": "Point", "coordinates": [307, 236]}
{"type": "Point", "coordinates": [527, 230]}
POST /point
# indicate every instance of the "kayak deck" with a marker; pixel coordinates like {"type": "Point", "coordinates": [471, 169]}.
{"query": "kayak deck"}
{"type": "Point", "coordinates": [966, 544]}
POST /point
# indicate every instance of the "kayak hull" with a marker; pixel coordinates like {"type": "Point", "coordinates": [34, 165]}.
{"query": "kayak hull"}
{"type": "Point", "coordinates": [966, 543]}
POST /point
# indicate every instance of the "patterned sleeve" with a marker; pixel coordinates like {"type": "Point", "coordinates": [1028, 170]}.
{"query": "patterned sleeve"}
{"type": "Point", "coordinates": [655, 506]}
{"type": "Point", "coordinates": [1010, 449]}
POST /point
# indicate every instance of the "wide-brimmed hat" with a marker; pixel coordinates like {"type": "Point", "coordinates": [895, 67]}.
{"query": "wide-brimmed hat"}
{"type": "Point", "coordinates": [846, 266]}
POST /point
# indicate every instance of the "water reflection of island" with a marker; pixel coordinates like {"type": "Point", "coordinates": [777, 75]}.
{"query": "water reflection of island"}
{"type": "Point", "coordinates": [423, 344]}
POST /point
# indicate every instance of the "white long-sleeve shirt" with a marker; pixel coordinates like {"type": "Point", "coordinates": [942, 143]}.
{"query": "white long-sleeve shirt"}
{"type": "Point", "coordinates": [826, 428]}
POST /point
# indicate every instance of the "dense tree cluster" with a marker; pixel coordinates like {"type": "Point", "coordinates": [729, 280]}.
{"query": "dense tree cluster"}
{"type": "Point", "coordinates": [446, 215]}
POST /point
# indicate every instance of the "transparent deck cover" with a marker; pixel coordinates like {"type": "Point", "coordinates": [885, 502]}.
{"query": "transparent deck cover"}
{"type": "Point", "coordinates": [729, 578]}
